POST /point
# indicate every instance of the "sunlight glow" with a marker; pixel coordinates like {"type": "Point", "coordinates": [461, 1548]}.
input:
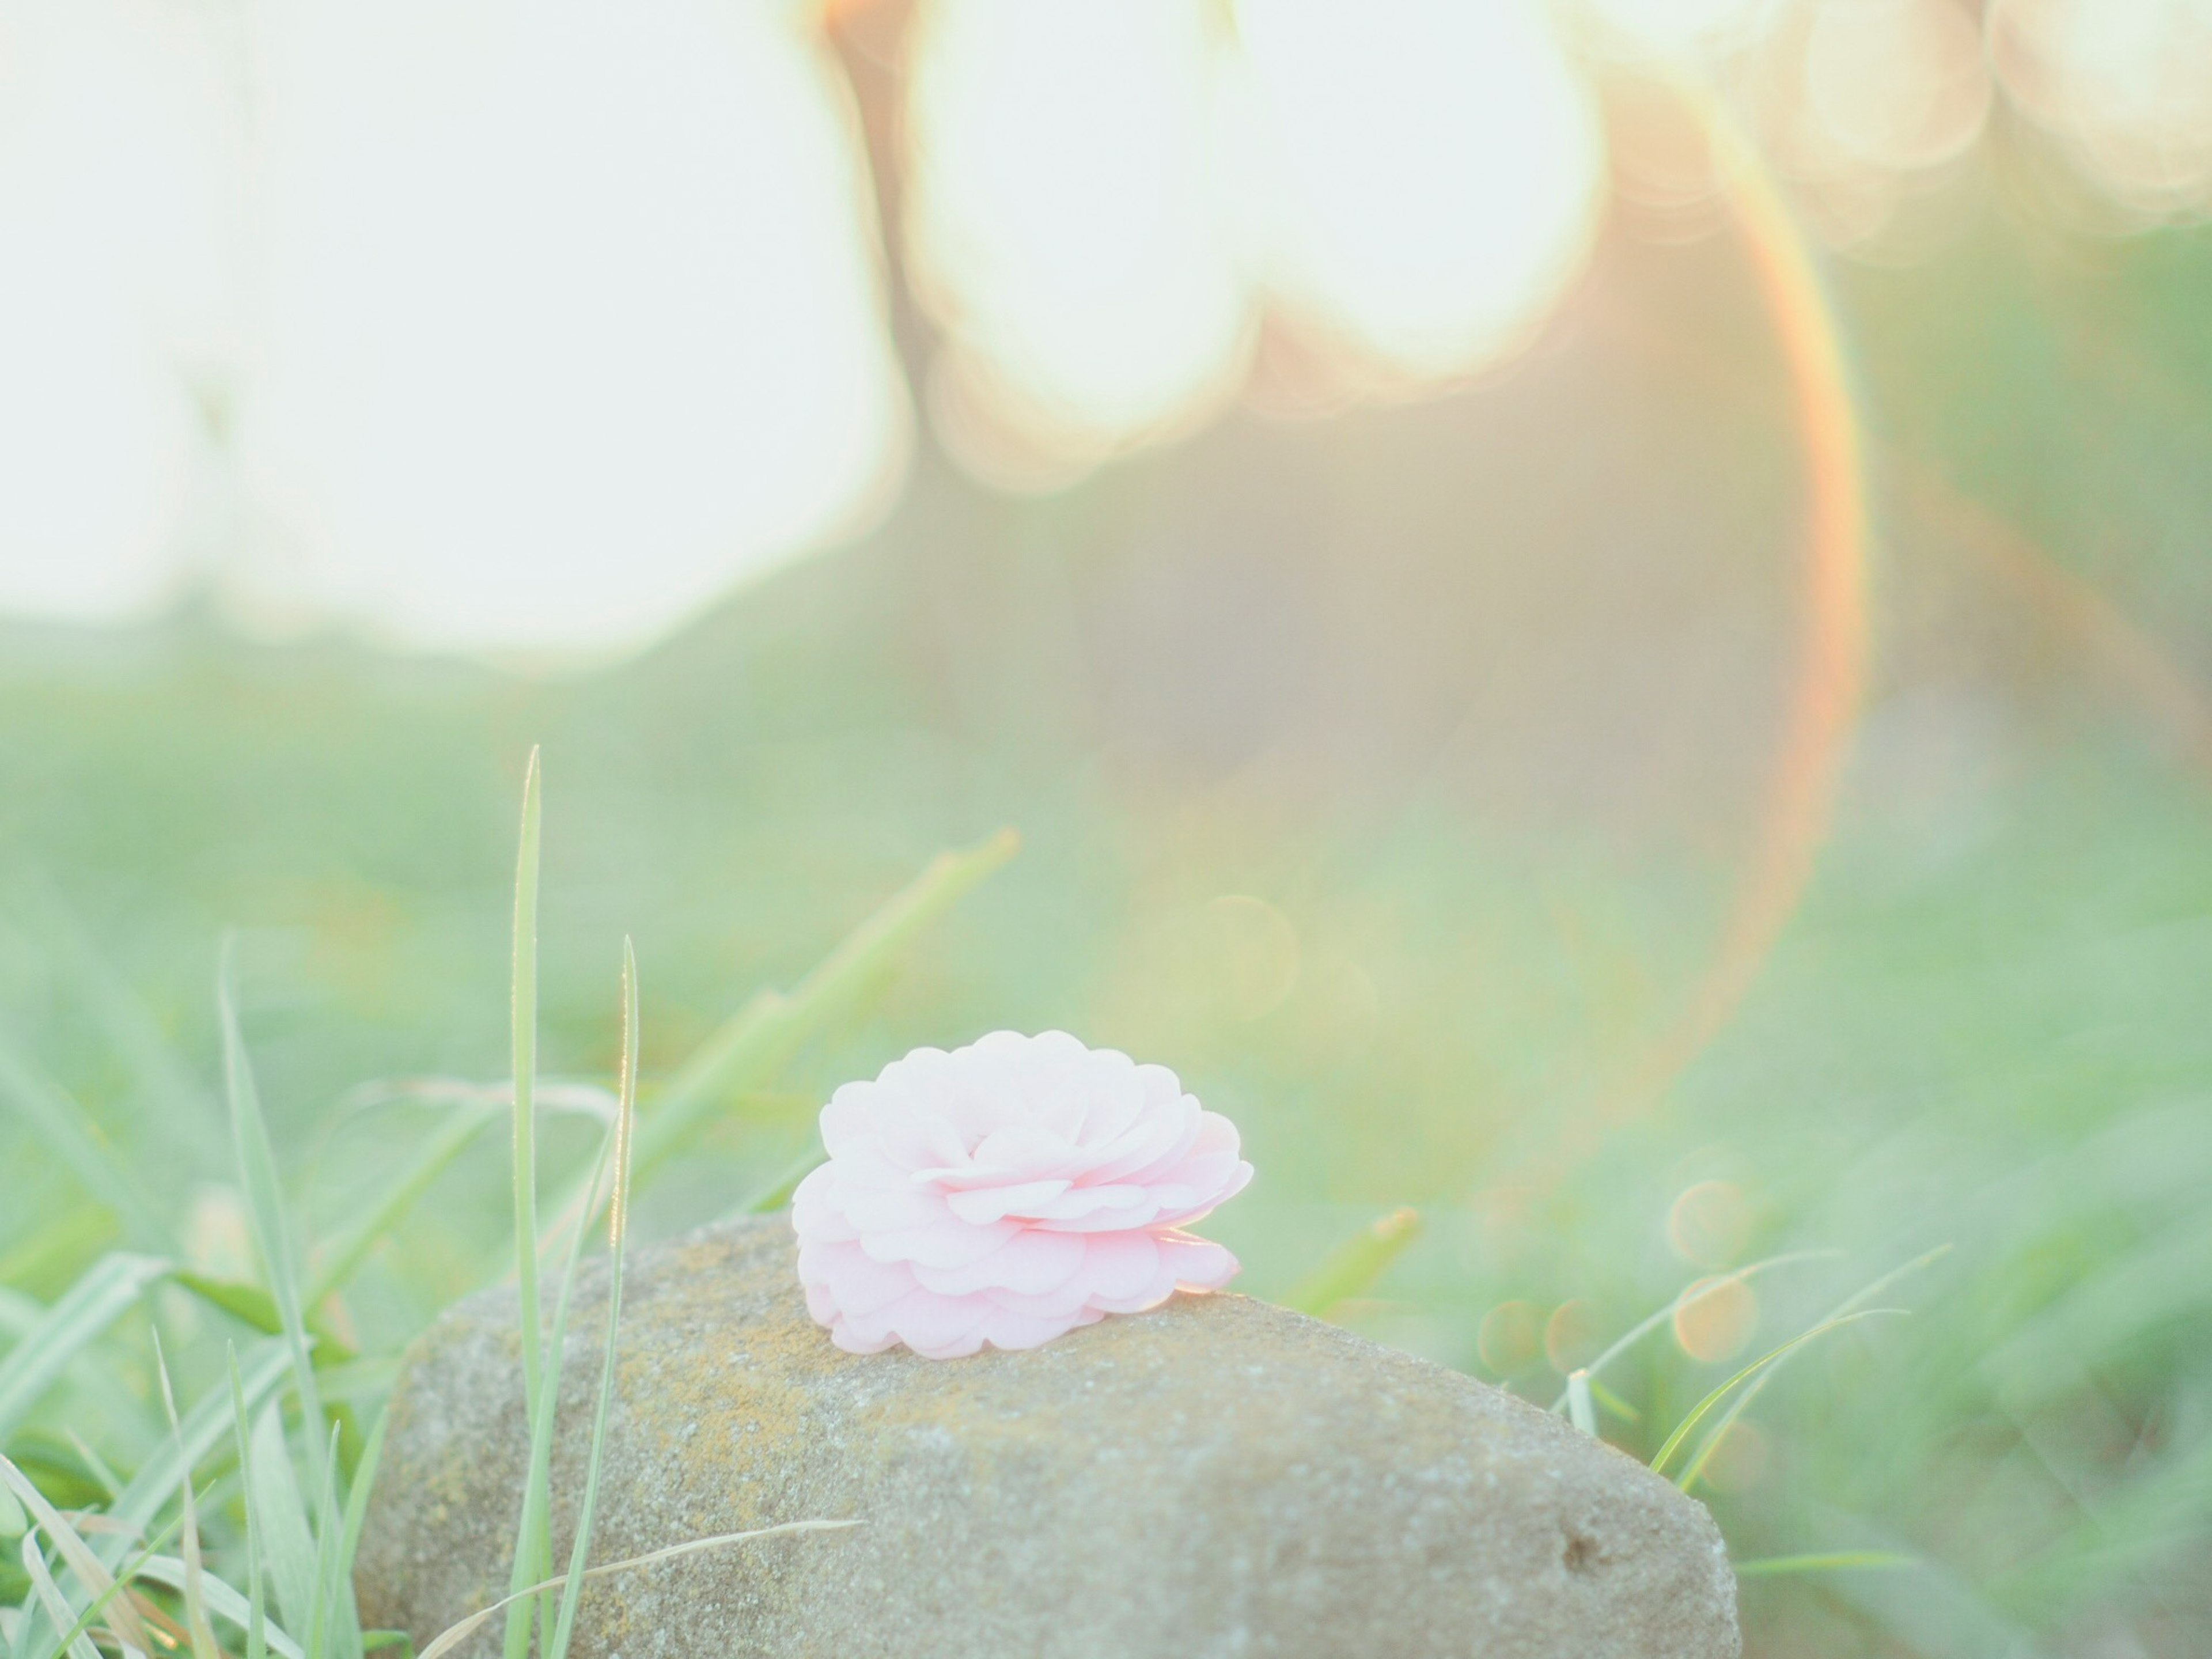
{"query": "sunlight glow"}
{"type": "Point", "coordinates": [1676, 28]}
{"type": "Point", "coordinates": [1895, 84]}
{"type": "Point", "coordinates": [1064, 223]}
{"type": "Point", "coordinates": [2126, 83]}
{"type": "Point", "coordinates": [570, 314]}
{"type": "Point", "coordinates": [1433, 171]}
{"type": "Point", "coordinates": [114, 293]}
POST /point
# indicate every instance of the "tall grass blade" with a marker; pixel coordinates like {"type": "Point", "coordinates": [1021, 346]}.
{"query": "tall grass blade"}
{"type": "Point", "coordinates": [533, 1544]}
{"type": "Point", "coordinates": [130, 1572]}
{"type": "Point", "coordinates": [265, 1200]}
{"type": "Point", "coordinates": [454, 1635]}
{"type": "Point", "coordinates": [1582, 1410]}
{"type": "Point", "coordinates": [343, 1257]}
{"type": "Point", "coordinates": [252, 1305]}
{"type": "Point", "coordinates": [80, 1317]}
{"type": "Point", "coordinates": [78, 1643]}
{"type": "Point", "coordinates": [264, 1369]}
{"type": "Point", "coordinates": [1355, 1266]}
{"type": "Point", "coordinates": [524, 1011]}
{"type": "Point", "coordinates": [257, 1630]}
{"type": "Point", "coordinates": [1644, 1327]}
{"type": "Point", "coordinates": [357, 1516]}
{"type": "Point", "coordinates": [223, 1601]}
{"type": "Point", "coordinates": [1857, 1299]}
{"type": "Point", "coordinates": [151, 1489]}
{"type": "Point", "coordinates": [334, 1629]}
{"type": "Point", "coordinates": [275, 1509]}
{"type": "Point", "coordinates": [1698, 1412]}
{"type": "Point", "coordinates": [617, 1232]}
{"type": "Point", "coordinates": [747, 1049]}
{"type": "Point", "coordinates": [194, 1587]}
{"type": "Point", "coordinates": [90, 1572]}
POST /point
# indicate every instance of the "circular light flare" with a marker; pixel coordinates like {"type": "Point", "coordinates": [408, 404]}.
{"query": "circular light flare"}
{"type": "Point", "coordinates": [570, 315]}
{"type": "Point", "coordinates": [1897, 85]}
{"type": "Point", "coordinates": [118, 166]}
{"type": "Point", "coordinates": [1431, 172]}
{"type": "Point", "coordinates": [1065, 226]}
{"type": "Point", "coordinates": [1678, 29]}
{"type": "Point", "coordinates": [2127, 84]}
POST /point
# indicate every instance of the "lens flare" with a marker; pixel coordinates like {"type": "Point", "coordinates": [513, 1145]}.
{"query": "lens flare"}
{"type": "Point", "coordinates": [118, 155]}
{"type": "Point", "coordinates": [1429, 173]}
{"type": "Point", "coordinates": [570, 316]}
{"type": "Point", "coordinates": [1065, 225]}
{"type": "Point", "coordinates": [2125, 84]}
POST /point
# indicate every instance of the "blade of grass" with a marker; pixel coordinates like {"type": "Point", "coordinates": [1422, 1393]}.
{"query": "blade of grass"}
{"type": "Point", "coordinates": [1644, 1327]}
{"type": "Point", "coordinates": [256, 1632]}
{"type": "Point", "coordinates": [524, 1010]}
{"type": "Point", "coordinates": [89, 1570]}
{"type": "Point", "coordinates": [1857, 1299]}
{"type": "Point", "coordinates": [98, 1603]}
{"type": "Point", "coordinates": [223, 1601]}
{"type": "Point", "coordinates": [60, 1249]}
{"type": "Point", "coordinates": [64, 1129]}
{"type": "Point", "coordinates": [1697, 1412]}
{"type": "Point", "coordinates": [265, 1200]}
{"type": "Point", "coordinates": [252, 1305]}
{"type": "Point", "coordinates": [533, 1544]}
{"type": "Point", "coordinates": [1581, 1411]}
{"type": "Point", "coordinates": [274, 1507]}
{"type": "Point", "coordinates": [104, 1477]}
{"type": "Point", "coordinates": [1355, 1265]}
{"type": "Point", "coordinates": [1612, 1401]}
{"type": "Point", "coordinates": [344, 1256]}
{"type": "Point", "coordinates": [78, 1643]}
{"type": "Point", "coordinates": [454, 1635]}
{"type": "Point", "coordinates": [265, 1365]}
{"type": "Point", "coordinates": [334, 1630]}
{"type": "Point", "coordinates": [357, 1516]}
{"type": "Point", "coordinates": [195, 1588]}
{"type": "Point", "coordinates": [617, 1230]}
{"type": "Point", "coordinates": [150, 1488]}
{"type": "Point", "coordinates": [80, 1317]}
{"type": "Point", "coordinates": [744, 1053]}
{"type": "Point", "coordinates": [1777, 1566]}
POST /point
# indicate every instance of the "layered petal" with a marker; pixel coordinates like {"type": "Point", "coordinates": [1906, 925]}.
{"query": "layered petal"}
{"type": "Point", "coordinates": [1008, 1192]}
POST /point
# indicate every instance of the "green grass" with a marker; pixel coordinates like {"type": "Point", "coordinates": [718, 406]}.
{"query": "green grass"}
{"type": "Point", "coordinates": [279, 1502]}
{"type": "Point", "coordinates": [1984, 1031]}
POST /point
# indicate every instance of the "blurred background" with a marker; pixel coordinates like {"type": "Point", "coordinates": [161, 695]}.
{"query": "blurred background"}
{"type": "Point", "coordinates": [1596, 617]}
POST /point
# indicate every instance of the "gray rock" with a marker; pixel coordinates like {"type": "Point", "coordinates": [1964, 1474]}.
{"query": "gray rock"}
{"type": "Point", "coordinates": [1217, 1477]}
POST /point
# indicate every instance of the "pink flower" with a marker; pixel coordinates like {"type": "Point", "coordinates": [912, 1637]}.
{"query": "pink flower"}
{"type": "Point", "coordinates": [1008, 1192]}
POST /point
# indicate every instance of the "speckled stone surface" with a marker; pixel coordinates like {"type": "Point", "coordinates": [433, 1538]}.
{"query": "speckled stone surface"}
{"type": "Point", "coordinates": [1216, 1478]}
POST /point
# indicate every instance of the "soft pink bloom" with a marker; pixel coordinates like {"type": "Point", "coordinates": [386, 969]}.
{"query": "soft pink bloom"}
{"type": "Point", "coordinates": [1008, 1192]}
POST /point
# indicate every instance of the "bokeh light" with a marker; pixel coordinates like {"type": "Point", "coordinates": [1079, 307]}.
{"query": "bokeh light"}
{"type": "Point", "coordinates": [1431, 172]}
{"type": "Point", "coordinates": [2125, 84]}
{"type": "Point", "coordinates": [568, 323]}
{"type": "Point", "coordinates": [1895, 84]}
{"type": "Point", "coordinates": [1677, 29]}
{"type": "Point", "coordinates": [1715, 1319]}
{"type": "Point", "coordinates": [116, 294]}
{"type": "Point", "coordinates": [1065, 224]}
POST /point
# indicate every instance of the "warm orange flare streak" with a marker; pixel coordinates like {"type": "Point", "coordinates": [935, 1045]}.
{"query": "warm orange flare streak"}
{"type": "Point", "coordinates": [1832, 642]}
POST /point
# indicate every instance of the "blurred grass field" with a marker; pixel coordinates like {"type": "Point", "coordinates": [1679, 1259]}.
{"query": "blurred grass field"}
{"type": "Point", "coordinates": [1421, 960]}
